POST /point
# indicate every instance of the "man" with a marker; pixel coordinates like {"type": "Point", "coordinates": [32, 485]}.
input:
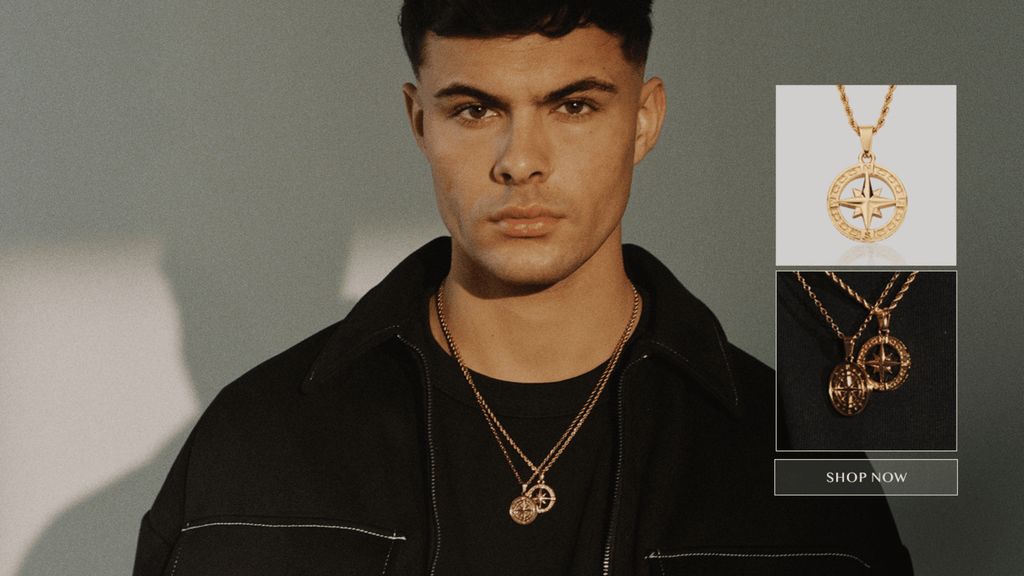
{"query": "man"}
{"type": "Point", "coordinates": [528, 397]}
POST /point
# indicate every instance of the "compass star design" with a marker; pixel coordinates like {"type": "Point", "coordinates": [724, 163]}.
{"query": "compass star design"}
{"type": "Point", "coordinates": [879, 356]}
{"type": "Point", "coordinates": [543, 496]}
{"type": "Point", "coordinates": [523, 510]}
{"type": "Point", "coordinates": [848, 389]}
{"type": "Point", "coordinates": [849, 392]}
{"type": "Point", "coordinates": [883, 363]}
{"type": "Point", "coordinates": [866, 204]}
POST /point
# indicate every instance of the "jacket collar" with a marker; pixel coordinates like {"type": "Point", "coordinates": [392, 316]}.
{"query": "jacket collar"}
{"type": "Point", "coordinates": [681, 328]}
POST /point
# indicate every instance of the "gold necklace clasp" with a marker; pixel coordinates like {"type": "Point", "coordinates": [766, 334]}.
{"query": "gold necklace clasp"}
{"type": "Point", "coordinates": [883, 320]}
{"type": "Point", "coordinates": [866, 132]}
{"type": "Point", "coordinates": [849, 344]}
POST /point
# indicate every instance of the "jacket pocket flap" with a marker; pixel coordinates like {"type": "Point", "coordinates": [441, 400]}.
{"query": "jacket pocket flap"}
{"type": "Point", "coordinates": [261, 545]}
{"type": "Point", "coordinates": [765, 561]}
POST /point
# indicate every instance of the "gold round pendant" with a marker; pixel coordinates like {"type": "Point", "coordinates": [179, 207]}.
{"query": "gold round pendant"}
{"type": "Point", "coordinates": [867, 203]}
{"type": "Point", "coordinates": [523, 510]}
{"type": "Point", "coordinates": [849, 388]}
{"type": "Point", "coordinates": [879, 366]}
{"type": "Point", "coordinates": [543, 496]}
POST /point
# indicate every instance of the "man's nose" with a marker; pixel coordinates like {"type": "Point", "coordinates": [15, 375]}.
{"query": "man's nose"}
{"type": "Point", "coordinates": [524, 153]}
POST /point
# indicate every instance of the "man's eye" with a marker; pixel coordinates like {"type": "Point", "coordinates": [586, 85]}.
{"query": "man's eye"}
{"type": "Point", "coordinates": [475, 112]}
{"type": "Point", "coordinates": [575, 108]}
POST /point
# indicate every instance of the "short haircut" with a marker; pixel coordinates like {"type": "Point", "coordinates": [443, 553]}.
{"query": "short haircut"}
{"type": "Point", "coordinates": [629, 20]}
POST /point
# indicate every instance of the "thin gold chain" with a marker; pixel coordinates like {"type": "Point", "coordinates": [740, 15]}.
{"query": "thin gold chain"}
{"type": "Point", "coordinates": [849, 112]}
{"type": "Point", "coordinates": [858, 298]}
{"type": "Point", "coordinates": [871, 309]}
{"type": "Point", "coordinates": [577, 422]}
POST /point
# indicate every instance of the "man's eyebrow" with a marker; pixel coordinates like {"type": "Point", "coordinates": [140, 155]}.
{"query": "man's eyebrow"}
{"type": "Point", "coordinates": [465, 90]}
{"type": "Point", "coordinates": [583, 85]}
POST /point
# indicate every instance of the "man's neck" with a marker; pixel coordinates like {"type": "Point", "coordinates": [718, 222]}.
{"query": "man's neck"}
{"type": "Point", "coordinates": [543, 335]}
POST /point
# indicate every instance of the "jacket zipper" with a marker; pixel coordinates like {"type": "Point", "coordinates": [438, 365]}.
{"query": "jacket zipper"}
{"type": "Point", "coordinates": [617, 489]}
{"type": "Point", "coordinates": [430, 450]}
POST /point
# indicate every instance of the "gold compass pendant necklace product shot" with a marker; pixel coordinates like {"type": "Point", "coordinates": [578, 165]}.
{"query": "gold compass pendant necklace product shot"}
{"type": "Point", "coordinates": [867, 202]}
{"type": "Point", "coordinates": [883, 362]}
{"type": "Point", "coordinates": [536, 498]}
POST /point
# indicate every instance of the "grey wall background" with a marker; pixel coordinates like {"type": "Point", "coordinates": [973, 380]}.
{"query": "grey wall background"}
{"type": "Point", "coordinates": [255, 143]}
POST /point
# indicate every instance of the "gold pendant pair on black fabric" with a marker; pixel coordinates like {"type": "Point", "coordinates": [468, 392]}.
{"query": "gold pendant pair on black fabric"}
{"type": "Point", "coordinates": [534, 501]}
{"type": "Point", "coordinates": [882, 365]}
{"type": "Point", "coordinates": [883, 362]}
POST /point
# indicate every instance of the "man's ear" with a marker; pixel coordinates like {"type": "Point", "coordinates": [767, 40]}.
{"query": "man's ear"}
{"type": "Point", "coordinates": [649, 117]}
{"type": "Point", "coordinates": [415, 112]}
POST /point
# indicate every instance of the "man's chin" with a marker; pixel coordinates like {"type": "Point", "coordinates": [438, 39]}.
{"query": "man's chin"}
{"type": "Point", "coordinates": [512, 272]}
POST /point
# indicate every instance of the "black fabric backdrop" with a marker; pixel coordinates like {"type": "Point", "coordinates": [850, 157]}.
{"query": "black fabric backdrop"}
{"type": "Point", "coordinates": [919, 415]}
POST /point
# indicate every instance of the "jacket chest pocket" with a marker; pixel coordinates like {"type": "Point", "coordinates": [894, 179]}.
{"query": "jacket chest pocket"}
{"type": "Point", "coordinates": [264, 546]}
{"type": "Point", "coordinates": [742, 562]}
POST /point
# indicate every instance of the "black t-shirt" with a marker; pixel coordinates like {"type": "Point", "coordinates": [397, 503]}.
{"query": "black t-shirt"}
{"type": "Point", "coordinates": [476, 486]}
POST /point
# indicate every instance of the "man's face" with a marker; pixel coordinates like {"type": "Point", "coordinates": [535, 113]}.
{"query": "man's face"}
{"type": "Point", "coordinates": [532, 143]}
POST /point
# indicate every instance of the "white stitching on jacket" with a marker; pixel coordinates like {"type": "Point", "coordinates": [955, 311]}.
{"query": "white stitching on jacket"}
{"type": "Point", "coordinates": [177, 556]}
{"type": "Point", "coordinates": [392, 537]}
{"type": "Point", "coordinates": [659, 555]}
{"type": "Point", "coordinates": [386, 560]}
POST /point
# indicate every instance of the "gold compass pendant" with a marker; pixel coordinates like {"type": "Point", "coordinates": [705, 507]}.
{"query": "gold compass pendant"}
{"type": "Point", "coordinates": [867, 202]}
{"type": "Point", "coordinates": [849, 388]}
{"type": "Point", "coordinates": [888, 366]}
{"type": "Point", "coordinates": [523, 510]}
{"type": "Point", "coordinates": [536, 500]}
{"type": "Point", "coordinates": [543, 496]}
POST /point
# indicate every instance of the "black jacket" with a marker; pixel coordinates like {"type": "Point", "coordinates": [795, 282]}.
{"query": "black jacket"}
{"type": "Point", "coordinates": [321, 460]}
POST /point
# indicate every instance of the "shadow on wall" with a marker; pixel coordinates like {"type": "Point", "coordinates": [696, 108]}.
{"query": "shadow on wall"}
{"type": "Point", "coordinates": [97, 536]}
{"type": "Point", "coordinates": [223, 338]}
{"type": "Point", "coordinates": [238, 137]}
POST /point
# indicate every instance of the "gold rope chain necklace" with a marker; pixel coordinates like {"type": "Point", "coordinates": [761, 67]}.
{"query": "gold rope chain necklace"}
{"type": "Point", "coordinates": [867, 203]}
{"type": "Point", "coordinates": [851, 382]}
{"type": "Point", "coordinates": [539, 498]}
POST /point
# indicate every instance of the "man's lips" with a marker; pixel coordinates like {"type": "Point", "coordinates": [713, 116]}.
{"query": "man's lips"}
{"type": "Point", "coordinates": [525, 222]}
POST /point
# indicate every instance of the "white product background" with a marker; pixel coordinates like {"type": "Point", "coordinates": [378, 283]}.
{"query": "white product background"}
{"type": "Point", "coordinates": [814, 143]}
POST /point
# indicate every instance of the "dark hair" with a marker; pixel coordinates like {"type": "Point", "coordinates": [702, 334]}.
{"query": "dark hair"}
{"type": "Point", "coordinates": [630, 20]}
